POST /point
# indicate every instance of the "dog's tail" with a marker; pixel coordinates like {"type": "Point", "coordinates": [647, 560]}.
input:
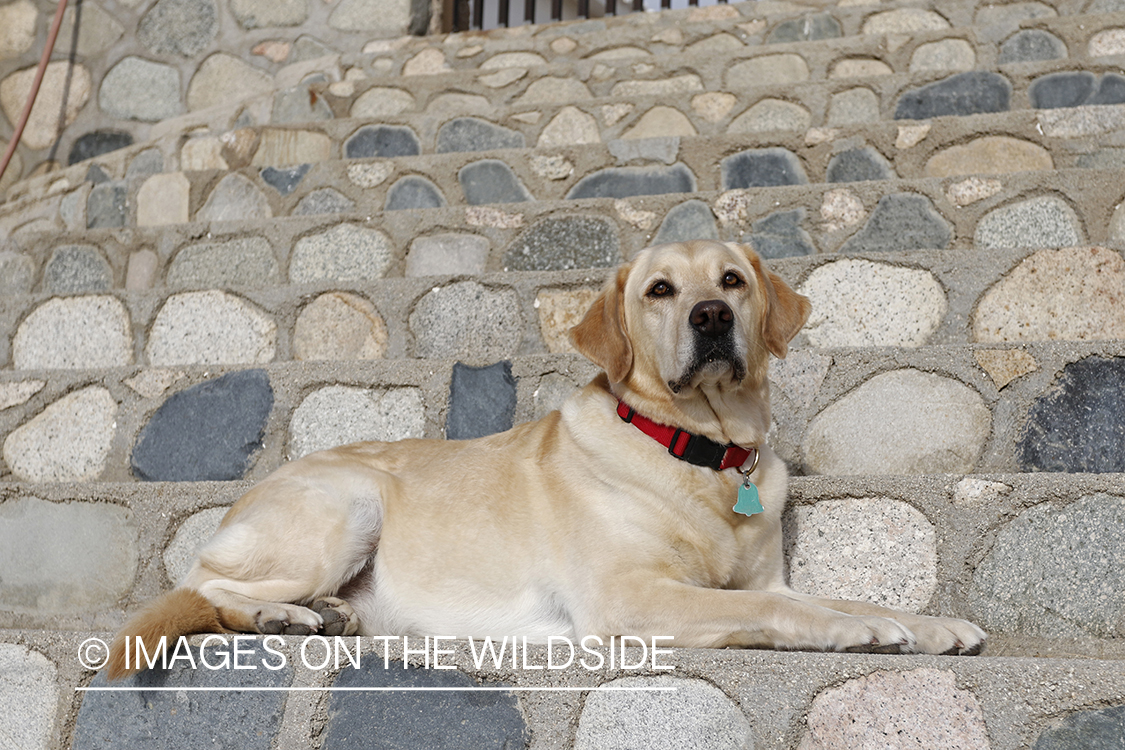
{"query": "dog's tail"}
{"type": "Point", "coordinates": [179, 612]}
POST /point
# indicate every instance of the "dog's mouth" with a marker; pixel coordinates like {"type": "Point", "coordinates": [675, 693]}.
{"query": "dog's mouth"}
{"type": "Point", "coordinates": [711, 360]}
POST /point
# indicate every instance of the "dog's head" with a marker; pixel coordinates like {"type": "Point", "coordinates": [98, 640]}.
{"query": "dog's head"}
{"type": "Point", "coordinates": [692, 317]}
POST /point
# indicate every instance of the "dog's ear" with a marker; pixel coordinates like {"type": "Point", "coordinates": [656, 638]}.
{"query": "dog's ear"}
{"type": "Point", "coordinates": [601, 336]}
{"type": "Point", "coordinates": [785, 310]}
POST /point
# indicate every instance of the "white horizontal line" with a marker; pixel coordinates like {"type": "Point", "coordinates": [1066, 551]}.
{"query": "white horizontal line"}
{"type": "Point", "coordinates": [109, 689]}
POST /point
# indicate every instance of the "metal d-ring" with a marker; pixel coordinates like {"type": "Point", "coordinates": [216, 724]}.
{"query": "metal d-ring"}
{"type": "Point", "coordinates": [746, 474]}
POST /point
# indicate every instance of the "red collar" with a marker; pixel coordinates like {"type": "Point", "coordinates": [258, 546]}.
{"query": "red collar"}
{"type": "Point", "coordinates": [695, 449]}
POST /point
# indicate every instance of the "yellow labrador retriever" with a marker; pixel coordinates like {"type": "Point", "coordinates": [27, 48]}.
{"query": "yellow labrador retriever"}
{"type": "Point", "coordinates": [614, 516]}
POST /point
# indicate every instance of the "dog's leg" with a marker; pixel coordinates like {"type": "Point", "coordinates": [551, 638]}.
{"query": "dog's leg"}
{"type": "Point", "coordinates": [936, 635]}
{"type": "Point", "coordinates": [699, 617]}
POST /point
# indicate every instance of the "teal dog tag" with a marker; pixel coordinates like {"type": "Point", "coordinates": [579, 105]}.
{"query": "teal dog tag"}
{"type": "Point", "coordinates": [748, 503]}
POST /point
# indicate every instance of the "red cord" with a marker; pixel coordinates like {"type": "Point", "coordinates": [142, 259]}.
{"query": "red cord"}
{"type": "Point", "coordinates": [55, 24]}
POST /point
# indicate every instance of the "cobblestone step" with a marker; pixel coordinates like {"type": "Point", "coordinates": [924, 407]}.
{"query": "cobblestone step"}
{"type": "Point", "coordinates": [704, 94]}
{"type": "Point", "coordinates": [103, 78]}
{"type": "Point", "coordinates": [1040, 407]}
{"type": "Point", "coordinates": [1079, 138]}
{"type": "Point", "coordinates": [982, 546]}
{"type": "Point", "coordinates": [1030, 209]}
{"type": "Point", "coordinates": [739, 698]}
{"type": "Point", "coordinates": [882, 299]}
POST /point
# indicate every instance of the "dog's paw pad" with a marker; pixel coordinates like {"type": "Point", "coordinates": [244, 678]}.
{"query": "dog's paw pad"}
{"type": "Point", "coordinates": [297, 629]}
{"type": "Point", "coordinates": [272, 627]}
{"type": "Point", "coordinates": [338, 616]}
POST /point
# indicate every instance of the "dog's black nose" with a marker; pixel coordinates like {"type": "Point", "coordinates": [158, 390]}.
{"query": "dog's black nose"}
{"type": "Point", "coordinates": [712, 318]}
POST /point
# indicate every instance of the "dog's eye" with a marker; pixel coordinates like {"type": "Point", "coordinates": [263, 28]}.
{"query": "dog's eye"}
{"type": "Point", "coordinates": [732, 280]}
{"type": "Point", "coordinates": [660, 289]}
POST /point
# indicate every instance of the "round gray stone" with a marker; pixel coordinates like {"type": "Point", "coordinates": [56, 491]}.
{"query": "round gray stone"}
{"type": "Point", "coordinates": [139, 89]}
{"type": "Point", "coordinates": [235, 198]}
{"type": "Point", "coordinates": [694, 716]}
{"type": "Point", "coordinates": [1032, 45]}
{"type": "Point", "coordinates": [452, 254]}
{"type": "Point", "coordinates": [903, 221]}
{"type": "Point", "coordinates": [1077, 425]}
{"type": "Point", "coordinates": [208, 432]}
{"type": "Point", "coordinates": [28, 697]}
{"type": "Point", "coordinates": [65, 558]}
{"type": "Point", "coordinates": [565, 243]}
{"type": "Point", "coordinates": [258, 14]}
{"type": "Point", "coordinates": [975, 92]}
{"type": "Point", "coordinates": [1027, 582]}
{"type": "Point", "coordinates": [346, 252]}
{"type": "Point", "coordinates": [74, 269]}
{"type": "Point", "coordinates": [691, 220]}
{"type": "Point", "coordinates": [467, 321]}
{"type": "Point", "coordinates": [859, 165]}
{"type": "Point", "coordinates": [860, 303]}
{"type": "Point", "coordinates": [1086, 730]}
{"type": "Point", "coordinates": [384, 141]}
{"type": "Point", "coordinates": [179, 27]}
{"type": "Point", "coordinates": [482, 401]}
{"type": "Point", "coordinates": [868, 549]}
{"type": "Point", "coordinates": [810, 28]}
{"type": "Point", "coordinates": [762, 167]}
{"type": "Point", "coordinates": [68, 442]}
{"type": "Point", "coordinates": [780, 235]}
{"type": "Point", "coordinates": [324, 201]}
{"type": "Point", "coordinates": [338, 415]}
{"type": "Point", "coordinates": [16, 272]}
{"type": "Point", "coordinates": [192, 534]}
{"type": "Point", "coordinates": [75, 332]}
{"type": "Point", "coordinates": [413, 191]}
{"type": "Point", "coordinates": [245, 261]}
{"type": "Point", "coordinates": [909, 422]}
{"type": "Point", "coordinates": [473, 134]}
{"type": "Point", "coordinates": [625, 182]}
{"type": "Point", "coordinates": [491, 181]}
{"type": "Point", "coordinates": [210, 328]}
{"type": "Point", "coordinates": [1046, 221]}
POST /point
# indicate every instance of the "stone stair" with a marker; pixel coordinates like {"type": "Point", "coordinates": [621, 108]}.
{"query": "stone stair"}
{"type": "Point", "coordinates": [332, 236]}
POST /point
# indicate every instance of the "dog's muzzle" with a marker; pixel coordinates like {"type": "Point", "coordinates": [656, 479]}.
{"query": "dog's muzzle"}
{"type": "Point", "coordinates": [712, 322]}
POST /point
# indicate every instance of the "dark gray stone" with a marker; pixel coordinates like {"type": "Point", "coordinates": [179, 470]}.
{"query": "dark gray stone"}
{"type": "Point", "coordinates": [299, 104]}
{"type": "Point", "coordinates": [1111, 90]}
{"type": "Point", "coordinates": [472, 134]}
{"type": "Point", "coordinates": [1068, 89]}
{"type": "Point", "coordinates": [491, 181]}
{"type": "Point", "coordinates": [324, 201]}
{"type": "Point", "coordinates": [1032, 45]}
{"type": "Point", "coordinates": [413, 191]}
{"type": "Point", "coordinates": [207, 432]}
{"type": "Point", "coordinates": [624, 182]}
{"type": "Point", "coordinates": [482, 401]}
{"type": "Point", "coordinates": [1086, 730]}
{"type": "Point", "coordinates": [432, 719]}
{"type": "Point", "coordinates": [808, 29]}
{"type": "Point", "coordinates": [148, 162]}
{"type": "Point", "coordinates": [382, 140]}
{"type": "Point", "coordinates": [221, 719]}
{"type": "Point", "coordinates": [691, 220]}
{"type": "Point", "coordinates": [858, 165]}
{"type": "Point", "coordinates": [96, 175]}
{"type": "Point", "coordinates": [1079, 424]}
{"type": "Point", "coordinates": [106, 206]}
{"type": "Point", "coordinates": [74, 269]}
{"type": "Point", "coordinates": [565, 243]}
{"type": "Point", "coordinates": [780, 235]}
{"type": "Point", "coordinates": [975, 92]}
{"type": "Point", "coordinates": [762, 167]}
{"type": "Point", "coordinates": [286, 179]}
{"type": "Point", "coordinates": [179, 27]}
{"type": "Point", "coordinates": [903, 221]}
{"type": "Point", "coordinates": [97, 143]}
{"type": "Point", "coordinates": [1055, 572]}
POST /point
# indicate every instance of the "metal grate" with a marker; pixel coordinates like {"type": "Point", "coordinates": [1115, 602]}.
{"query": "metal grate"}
{"type": "Point", "coordinates": [490, 14]}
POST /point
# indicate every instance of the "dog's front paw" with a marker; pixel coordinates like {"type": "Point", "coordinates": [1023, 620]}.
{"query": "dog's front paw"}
{"type": "Point", "coordinates": [948, 636]}
{"type": "Point", "coordinates": [287, 619]}
{"type": "Point", "coordinates": [867, 634]}
{"type": "Point", "coordinates": [339, 617]}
